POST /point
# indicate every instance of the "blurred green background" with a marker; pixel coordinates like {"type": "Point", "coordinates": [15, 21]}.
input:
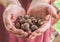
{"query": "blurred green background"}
{"type": "Point", "coordinates": [56, 26]}
{"type": "Point", "coordinates": [57, 4]}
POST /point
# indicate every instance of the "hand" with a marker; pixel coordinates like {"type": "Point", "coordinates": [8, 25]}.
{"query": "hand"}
{"type": "Point", "coordinates": [41, 29]}
{"type": "Point", "coordinates": [9, 16]}
{"type": "Point", "coordinates": [52, 1]}
{"type": "Point", "coordinates": [43, 10]}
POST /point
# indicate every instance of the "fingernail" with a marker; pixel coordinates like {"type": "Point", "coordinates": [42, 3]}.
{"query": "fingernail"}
{"type": "Point", "coordinates": [33, 37]}
{"type": "Point", "coordinates": [47, 17]}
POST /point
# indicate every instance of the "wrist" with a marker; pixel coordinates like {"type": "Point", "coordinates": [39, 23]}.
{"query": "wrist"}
{"type": "Point", "coordinates": [47, 1]}
{"type": "Point", "coordinates": [10, 2]}
{"type": "Point", "coordinates": [34, 2]}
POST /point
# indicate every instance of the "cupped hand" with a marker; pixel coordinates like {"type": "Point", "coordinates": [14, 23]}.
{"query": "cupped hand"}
{"type": "Point", "coordinates": [42, 10]}
{"type": "Point", "coordinates": [9, 16]}
{"type": "Point", "coordinates": [42, 29]}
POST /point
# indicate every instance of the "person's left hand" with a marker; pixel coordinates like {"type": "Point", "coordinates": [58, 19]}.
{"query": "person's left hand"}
{"type": "Point", "coordinates": [42, 10]}
{"type": "Point", "coordinates": [41, 29]}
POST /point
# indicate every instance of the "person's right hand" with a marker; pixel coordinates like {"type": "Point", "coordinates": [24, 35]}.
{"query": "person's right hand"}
{"type": "Point", "coordinates": [9, 16]}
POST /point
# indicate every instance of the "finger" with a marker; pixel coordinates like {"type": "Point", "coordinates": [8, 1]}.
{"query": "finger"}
{"type": "Point", "coordinates": [52, 11]}
{"type": "Point", "coordinates": [33, 35]}
{"type": "Point", "coordinates": [38, 32]}
{"type": "Point", "coordinates": [44, 27]}
{"type": "Point", "coordinates": [48, 18]}
{"type": "Point", "coordinates": [21, 35]}
{"type": "Point", "coordinates": [18, 31]}
{"type": "Point", "coordinates": [6, 19]}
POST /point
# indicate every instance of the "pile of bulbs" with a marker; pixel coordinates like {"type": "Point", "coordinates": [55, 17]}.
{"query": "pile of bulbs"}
{"type": "Point", "coordinates": [28, 23]}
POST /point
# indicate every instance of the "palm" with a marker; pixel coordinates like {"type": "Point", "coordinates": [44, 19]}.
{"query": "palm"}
{"type": "Point", "coordinates": [10, 15]}
{"type": "Point", "coordinates": [42, 10]}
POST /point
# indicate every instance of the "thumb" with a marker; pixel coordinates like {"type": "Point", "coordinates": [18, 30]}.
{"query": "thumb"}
{"type": "Point", "coordinates": [52, 11]}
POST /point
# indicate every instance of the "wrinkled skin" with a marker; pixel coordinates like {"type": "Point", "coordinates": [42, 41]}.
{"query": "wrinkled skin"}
{"type": "Point", "coordinates": [9, 16]}
{"type": "Point", "coordinates": [43, 10]}
{"type": "Point", "coordinates": [40, 9]}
